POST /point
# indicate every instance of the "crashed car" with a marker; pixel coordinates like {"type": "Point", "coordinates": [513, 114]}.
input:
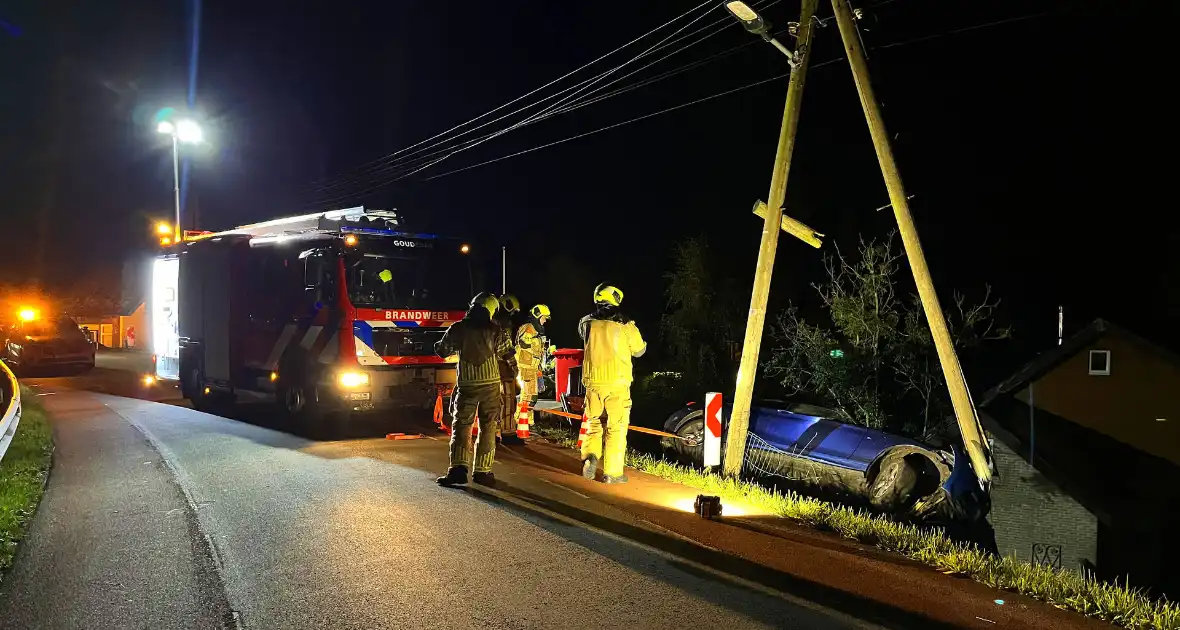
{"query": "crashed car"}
{"type": "Point", "coordinates": [812, 446]}
{"type": "Point", "coordinates": [39, 344]}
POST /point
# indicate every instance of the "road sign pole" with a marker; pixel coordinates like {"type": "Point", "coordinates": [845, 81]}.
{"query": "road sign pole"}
{"type": "Point", "coordinates": [739, 419]}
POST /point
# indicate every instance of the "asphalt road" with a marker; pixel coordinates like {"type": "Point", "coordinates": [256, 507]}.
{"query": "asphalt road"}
{"type": "Point", "coordinates": [157, 516]}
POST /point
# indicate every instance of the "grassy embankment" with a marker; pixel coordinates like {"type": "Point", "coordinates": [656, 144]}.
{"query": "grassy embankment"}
{"type": "Point", "coordinates": [22, 475]}
{"type": "Point", "coordinates": [1065, 589]}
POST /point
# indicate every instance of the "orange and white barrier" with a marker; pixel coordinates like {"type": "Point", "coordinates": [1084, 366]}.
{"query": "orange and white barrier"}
{"type": "Point", "coordinates": [522, 421]}
{"type": "Point", "coordinates": [712, 429]}
{"type": "Point", "coordinates": [582, 431]}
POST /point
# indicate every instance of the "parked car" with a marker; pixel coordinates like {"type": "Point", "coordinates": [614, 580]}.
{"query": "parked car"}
{"type": "Point", "coordinates": [45, 344]}
{"type": "Point", "coordinates": [812, 444]}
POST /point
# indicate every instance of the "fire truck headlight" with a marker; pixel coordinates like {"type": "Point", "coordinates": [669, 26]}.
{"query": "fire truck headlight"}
{"type": "Point", "coordinates": [353, 379]}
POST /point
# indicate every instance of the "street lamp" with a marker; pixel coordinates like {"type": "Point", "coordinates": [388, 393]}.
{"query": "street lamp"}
{"type": "Point", "coordinates": [465, 249]}
{"type": "Point", "coordinates": [758, 26]}
{"type": "Point", "coordinates": [181, 131]}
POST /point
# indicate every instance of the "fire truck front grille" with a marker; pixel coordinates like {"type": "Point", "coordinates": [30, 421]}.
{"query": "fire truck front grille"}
{"type": "Point", "coordinates": [406, 342]}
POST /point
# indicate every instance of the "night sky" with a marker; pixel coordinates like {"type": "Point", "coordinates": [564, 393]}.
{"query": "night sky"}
{"type": "Point", "coordinates": [1026, 143]}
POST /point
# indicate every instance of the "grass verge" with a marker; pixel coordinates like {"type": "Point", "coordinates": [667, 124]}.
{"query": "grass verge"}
{"type": "Point", "coordinates": [1121, 605]}
{"type": "Point", "coordinates": [22, 475]}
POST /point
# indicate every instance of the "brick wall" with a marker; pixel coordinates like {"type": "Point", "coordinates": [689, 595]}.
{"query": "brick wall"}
{"type": "Point", "coordinates": [1029, 510]}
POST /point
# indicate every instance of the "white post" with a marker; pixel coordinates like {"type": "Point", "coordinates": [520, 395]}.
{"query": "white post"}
{"type": "Point", "coordinates": [712, 430]}
{"type": "Point", "coordinates": [503, 270]}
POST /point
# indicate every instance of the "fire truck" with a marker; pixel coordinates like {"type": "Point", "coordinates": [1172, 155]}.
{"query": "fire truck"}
{"type": "Point", "coordinates": [326, 312]}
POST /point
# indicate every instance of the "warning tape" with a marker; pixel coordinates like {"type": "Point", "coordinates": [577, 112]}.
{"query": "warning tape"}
{"type": "Point", "coordinates": [574, 416]}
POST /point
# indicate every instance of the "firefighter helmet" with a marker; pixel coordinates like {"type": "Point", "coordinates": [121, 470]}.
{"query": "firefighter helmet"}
{"type": "Point", "coordinates": [540, 311]}
{"type": "Point", "coordinates": [509, 303]}
{"type": "Point", "coordinates": [486, 300]}
{"type": "Point", "coordinates": [607, 294]}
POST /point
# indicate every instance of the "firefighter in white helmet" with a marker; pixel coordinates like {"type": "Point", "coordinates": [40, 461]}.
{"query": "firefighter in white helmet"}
{"type": "Point", "coordinates": [530, 349]}
{"type": "Point", "coordinates": [508, 316]}
{"type": "Point", "coordinates": [480, 343]}
{"type": "Point", "coordinates": [611, 341]}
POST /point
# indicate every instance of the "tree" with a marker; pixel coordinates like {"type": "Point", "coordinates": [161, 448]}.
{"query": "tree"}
{"type": "Point", "coordinates": [875, 362]}
{"type": "Point", "coordinates": [699, 326]}
{"type": "Point", "coordinates": [916, 365]}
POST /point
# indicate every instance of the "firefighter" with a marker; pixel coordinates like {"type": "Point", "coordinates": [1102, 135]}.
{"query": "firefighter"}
{"type": "Point", "coordinates": [508, 317]}
{"type": "Point", "coordinates": [530, 349]}
{"type": "Point", "coordinates": [611, 341]}
{"type": "Point", "coordinates": [481, 344]}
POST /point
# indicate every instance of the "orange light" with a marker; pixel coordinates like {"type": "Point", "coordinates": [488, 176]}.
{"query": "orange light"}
{"type": "Point", "coordinates": [27, 314]}
{"type": "Point", "coordinates": [274, 376]}
{"type": "Point", "coordinates": [163, 229]}
{"type": "Point", "coordinates": [166, 241]}
{"type": "Point", "coordinates": [350, 240]}
{"type": "Point", "coordinates": [465, 248]}
{"type": "Point", "coordinates": [149, 380]}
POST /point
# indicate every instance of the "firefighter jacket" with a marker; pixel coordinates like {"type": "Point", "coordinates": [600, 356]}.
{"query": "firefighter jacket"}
{"type": "Point", "coordinates": [529, 350]}
{"type": "Point", "coordinates": [480, 344]}
{"type": "Point", "coordinates": [507, 367]}
{"type": "Point", "coordinates": [612, 340]}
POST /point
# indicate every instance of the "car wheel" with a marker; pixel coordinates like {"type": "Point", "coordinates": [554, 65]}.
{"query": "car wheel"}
{"type": "Point", "coordinates": [690, 449]}
{"type": "Point", "coordinates": [892, 490]}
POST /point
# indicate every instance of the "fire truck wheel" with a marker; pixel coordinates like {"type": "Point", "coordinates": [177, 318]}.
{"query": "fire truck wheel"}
{"type": "Point", "coordinates": [298, 402]}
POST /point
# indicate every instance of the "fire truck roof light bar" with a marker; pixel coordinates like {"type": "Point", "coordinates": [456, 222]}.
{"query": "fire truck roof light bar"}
{"type": "Point", "coordinates": [307, 222]}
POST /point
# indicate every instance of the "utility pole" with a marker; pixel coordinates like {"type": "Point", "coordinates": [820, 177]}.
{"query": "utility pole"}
{"type": "Point", "coordinates": [739, 419]}
{"type": "Point", "coordinates": [503, 269]}
{"type": "Point", "coordinates": [969, 425]}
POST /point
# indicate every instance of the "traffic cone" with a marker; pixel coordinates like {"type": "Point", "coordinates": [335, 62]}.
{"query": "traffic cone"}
{"type": "Point", "coordinates": [583, 430]}
{"type": "Point", "coordinates": [522, 421]}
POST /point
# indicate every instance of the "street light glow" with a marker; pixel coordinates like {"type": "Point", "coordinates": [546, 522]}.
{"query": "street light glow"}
{"type": "Point", "coordinates": [741, 11]}
{"type": "Point", "coordinates": [165, 127]}
{"type": "Point", "coordinates": [188, 131]}
{"type": "Point", "coordinates": [465, 248]}
{"type": "Point", "coordinates": [27, 314]}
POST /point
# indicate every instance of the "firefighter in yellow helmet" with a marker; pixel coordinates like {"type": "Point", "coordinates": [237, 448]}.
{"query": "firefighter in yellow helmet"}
{"type": "Point", "coordinates": [481, 344]}
{"type": "Point", "coordinates": [612, 340]}
{"type": "Point", "coordinates": [509, 319]}
{"type": "Point", "coordinates": [530, 349]}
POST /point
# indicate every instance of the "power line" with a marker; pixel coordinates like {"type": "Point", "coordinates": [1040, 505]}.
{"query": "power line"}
{"type": "Point", "coordinates": [963, 30]}
{"type": "Point", "coordinates": [399, 163]}
{"type": "Point", "coordinates": [627, 122]}
{"type": "Point", "coordinates": [546, 113]}
{"type": "Point", "coordinates": [608, 95]}
{"type": "Point", "coordinates": [558, 79]}
{"type": "Point", "coordinates": [534, 117]}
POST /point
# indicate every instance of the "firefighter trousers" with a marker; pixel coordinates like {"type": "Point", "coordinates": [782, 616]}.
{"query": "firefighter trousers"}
{"type": "Point", "coordinates": [508, 393]}
{"type": "Point", "coordinates": [611, 450]}
{"type": "Point", "coordinates": [467, 402]}
{"type": "Point", "coordinates": [528, 394]}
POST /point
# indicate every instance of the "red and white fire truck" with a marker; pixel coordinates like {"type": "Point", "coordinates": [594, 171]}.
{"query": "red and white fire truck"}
{"type": "Point", "coordinates": [330, 311]}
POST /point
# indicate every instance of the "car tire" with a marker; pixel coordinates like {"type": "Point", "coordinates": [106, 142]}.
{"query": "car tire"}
{"type": "Point", "coordinates": [893, 488]}
{"type": "Point", "coordinates": [691, 449]}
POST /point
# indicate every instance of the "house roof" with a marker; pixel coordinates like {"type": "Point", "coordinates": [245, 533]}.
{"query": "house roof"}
{"type": "Point", "coordinates": [1047, 361]}
{"type": "Point", "coordinates": [1082, 471]}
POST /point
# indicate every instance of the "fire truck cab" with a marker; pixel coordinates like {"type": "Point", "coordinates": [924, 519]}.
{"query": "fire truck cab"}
{"type": "Point", "coordinates": [335, 311]}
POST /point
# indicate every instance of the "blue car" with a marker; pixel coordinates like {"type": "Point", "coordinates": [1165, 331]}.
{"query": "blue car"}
{"type": "Point", "coordinates": [811, 445]}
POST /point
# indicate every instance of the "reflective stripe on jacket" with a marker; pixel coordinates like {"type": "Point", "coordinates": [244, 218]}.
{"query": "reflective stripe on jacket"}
{"type": "Point", "coordinates": [611, 341]}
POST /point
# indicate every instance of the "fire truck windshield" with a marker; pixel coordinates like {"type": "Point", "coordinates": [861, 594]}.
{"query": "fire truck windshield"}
{"type": "Point", "coordinates": [403, 280]}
